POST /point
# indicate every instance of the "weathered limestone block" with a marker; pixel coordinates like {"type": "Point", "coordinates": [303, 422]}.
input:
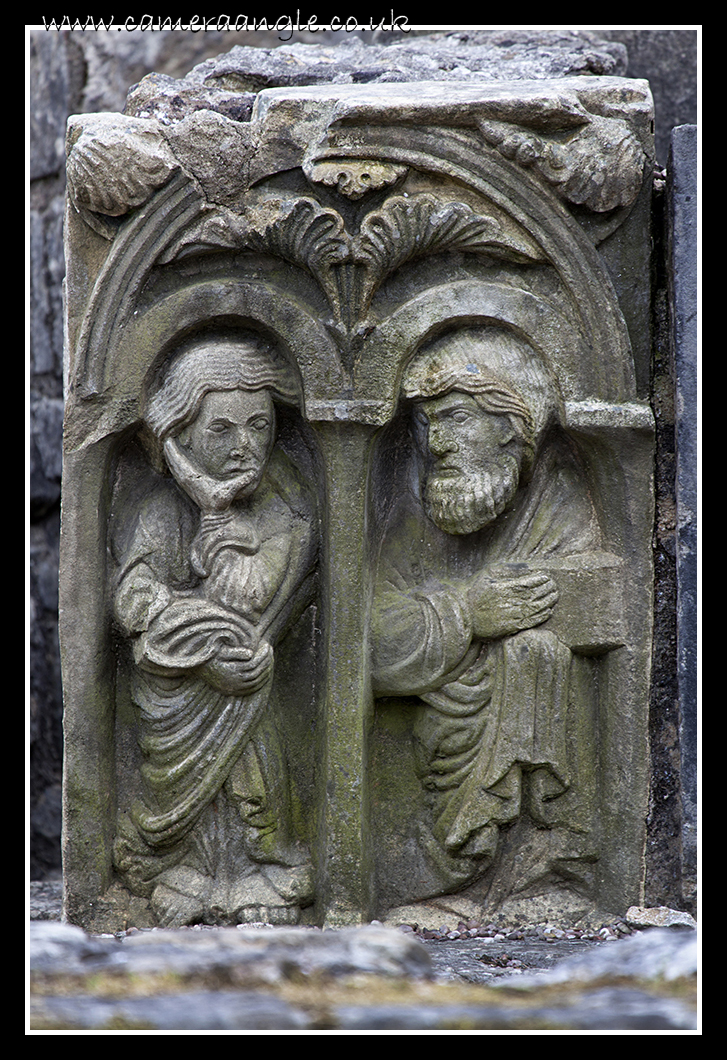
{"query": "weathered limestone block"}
{"type": "Point", "coordinates": [356, 583]}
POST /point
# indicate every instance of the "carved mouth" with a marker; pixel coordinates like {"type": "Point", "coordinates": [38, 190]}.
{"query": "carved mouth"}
{"type": "Point", "coordinates": [447, 470]}
{"type": "Point", "coordinates": [239, 467]}
{"type": "Point", "coordinates": [236, 470]}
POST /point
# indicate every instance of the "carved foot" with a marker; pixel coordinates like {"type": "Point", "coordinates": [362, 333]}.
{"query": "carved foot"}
{"type": "Point", "coordinates": [274, 895]}
{"type": "Point", "coordinates": [181, 897]}
{"type": "Point", "coordinates": [294, 885]}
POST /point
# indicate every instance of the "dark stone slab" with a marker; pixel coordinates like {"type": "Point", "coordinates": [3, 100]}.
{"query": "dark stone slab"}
{"type": "Point", "coordinates": [682, 207]}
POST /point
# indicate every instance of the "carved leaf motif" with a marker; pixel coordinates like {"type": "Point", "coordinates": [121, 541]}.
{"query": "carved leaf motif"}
{"type": "Point", "coordinates": [349, 269]}
{"type": "Point", "coordinates": [407, 228]}
{"type": "Point", "coordinates": [305, 234]}
{"type": "Point", "coordinates": [298, 231]}
{"type": "Point", "coordinates": [599, 166]}
{"type": "Point", "coordinates": [111, 175]}
{"type": "Point", "coordinates": [605, 179]}
{"type": "Point", "coordinates": [301, 232]}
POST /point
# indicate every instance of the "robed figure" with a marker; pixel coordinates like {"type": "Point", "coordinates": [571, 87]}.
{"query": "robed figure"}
{"type": "Point", "coordinates": [214, 557]}
{"type": "Point", "coordinates": [492, 496]}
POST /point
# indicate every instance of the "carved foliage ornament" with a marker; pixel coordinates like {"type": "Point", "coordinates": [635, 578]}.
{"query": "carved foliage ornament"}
{"type": "Point", "coordinates": [598, 165]}
{"type": "Point", "coordinates": [350, 268]}
{"type": "Point", "coordinates": [588, 159]}
{"type": "Point", "coordinates": [115, 165]}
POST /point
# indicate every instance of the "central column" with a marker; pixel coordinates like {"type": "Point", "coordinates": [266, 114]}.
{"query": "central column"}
{"type": "Point", "coordinates": [346, 867]}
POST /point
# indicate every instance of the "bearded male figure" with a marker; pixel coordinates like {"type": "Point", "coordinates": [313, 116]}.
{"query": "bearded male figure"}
{"type": "Point", "coordinates": [214, 560]}
{"type": "Point", "coordinates": [494, 496]}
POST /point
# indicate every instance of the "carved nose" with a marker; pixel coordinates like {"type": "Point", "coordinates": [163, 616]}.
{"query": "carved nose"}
{"type": "Point", "coordinates": [441, 441]}
{"type": "Point", "coordinates": [240, 443]}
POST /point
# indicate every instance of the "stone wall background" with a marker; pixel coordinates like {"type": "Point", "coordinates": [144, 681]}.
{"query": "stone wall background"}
{"type": "Point", "coordinates": [78, 72]}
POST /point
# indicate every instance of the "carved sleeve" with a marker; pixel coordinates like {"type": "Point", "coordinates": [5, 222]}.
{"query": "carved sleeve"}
{"type": "Point", "coordinates": [419, 638]}
{"type": "Point", "coordinates": [140, 597]}
{"type": "Point", "coordinates": [148, 545]}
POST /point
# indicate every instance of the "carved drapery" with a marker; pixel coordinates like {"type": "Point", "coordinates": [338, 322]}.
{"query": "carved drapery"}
{"type": "Point", "coordinates": [365, 232]}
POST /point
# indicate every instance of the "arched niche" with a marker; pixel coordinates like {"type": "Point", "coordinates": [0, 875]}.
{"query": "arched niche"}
{"type": "Point", "coordinates": [126, 362]}
{"type": "Point", "coordinates": [579, 371]}
{"type": "Point", "coordinates": [459, 154]}
{"type": "Point", "coordinates": [101, 432]}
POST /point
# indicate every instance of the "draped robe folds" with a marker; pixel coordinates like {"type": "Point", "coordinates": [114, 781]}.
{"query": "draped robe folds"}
{"type": "Point", "coordinates": [491, 710]}
{"type": "Point", "coordinates": [191, 587]}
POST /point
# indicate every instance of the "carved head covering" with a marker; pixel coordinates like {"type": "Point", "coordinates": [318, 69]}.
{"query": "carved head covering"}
{"type": "Point", "coordinates": [500, 370]}
{"type": "Point", "coordinates": [216, 364]}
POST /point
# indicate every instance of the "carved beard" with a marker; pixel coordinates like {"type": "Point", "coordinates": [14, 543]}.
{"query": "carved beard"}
{"type": "Point", "coordinates": [470, 501]}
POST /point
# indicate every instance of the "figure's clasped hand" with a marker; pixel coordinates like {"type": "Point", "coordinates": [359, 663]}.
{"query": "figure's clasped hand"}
{"type": "Point", "coordinates": [239, 671]}
{"type": "Point", "coordinates": [502, 602]}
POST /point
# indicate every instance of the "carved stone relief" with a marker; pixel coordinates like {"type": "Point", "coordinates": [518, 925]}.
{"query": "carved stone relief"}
{"type": "Point", "coordinates": [357, 492]}
{"type": "Point", "coordinates": [490, 535]}
{"type": "Point", "coordinates": [212, 564]}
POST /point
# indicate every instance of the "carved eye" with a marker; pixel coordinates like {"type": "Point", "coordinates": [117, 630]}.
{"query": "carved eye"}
{"type": "Point", "coordinates": [459, 416]}
{"type": "Point", "coordinates": [218, 427]}
{"type": "Point", "coordinates": [260, 424]}
{"type": "Point", "coordinates": [420, 418]}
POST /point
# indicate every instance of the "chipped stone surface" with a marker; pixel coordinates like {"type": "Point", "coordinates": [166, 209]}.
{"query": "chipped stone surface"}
{"type": "Point", "coordinates": [659, 916]}
{"type": "Point", "coordinates": [230, 82]}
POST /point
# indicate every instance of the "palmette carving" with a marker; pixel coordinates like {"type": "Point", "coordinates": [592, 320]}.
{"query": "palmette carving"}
{"type": "Point", "coordinates": [408, 228]}
{"type": "Point", "coordinates": [116, 163]}
{"type": "Point", "coordinates": [351, 267]}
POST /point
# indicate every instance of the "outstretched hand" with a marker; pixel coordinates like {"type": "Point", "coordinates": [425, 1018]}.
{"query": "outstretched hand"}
{"type": "Point", "coordinates": [502, 603]}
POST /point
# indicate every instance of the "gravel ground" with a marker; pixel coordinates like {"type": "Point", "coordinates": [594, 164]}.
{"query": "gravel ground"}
{"type": "Point", "coordinates": [470, 977]}
{"type": "Point", "coordinates": [468, 951]}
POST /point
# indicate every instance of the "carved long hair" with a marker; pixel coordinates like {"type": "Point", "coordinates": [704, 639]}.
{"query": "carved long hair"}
{"type": "Point", "coordinates": [241, 361]}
